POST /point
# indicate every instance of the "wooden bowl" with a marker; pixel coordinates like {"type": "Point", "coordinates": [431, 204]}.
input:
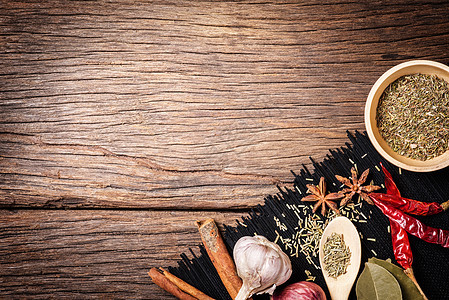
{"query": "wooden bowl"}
{"type": "Point", "coordinates": [407, 68]}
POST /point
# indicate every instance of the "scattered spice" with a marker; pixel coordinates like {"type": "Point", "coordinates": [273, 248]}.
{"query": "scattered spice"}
{"type": "Point", "coordinates": [353, 212]}
{"type": "Point", "coordinates": [306, 238]}
{"type": "Point", "coordinates": [323, 200]}
{"type": "Point", "coordinates": [413, 116]}
{"type": "Point", "coordinates": [279, 224]}
{"type": "Point", "coordinates": [309, 276]}
{"type": "Point", "coordinates": [336, 255]}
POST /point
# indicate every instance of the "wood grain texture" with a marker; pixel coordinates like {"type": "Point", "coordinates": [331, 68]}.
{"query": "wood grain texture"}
{"type": "Point", "coordinates": [93, 254]}
{"type": "Point", "coordinates": [188, 104]}
{"type": "Point", "coordinates": [182, 108]}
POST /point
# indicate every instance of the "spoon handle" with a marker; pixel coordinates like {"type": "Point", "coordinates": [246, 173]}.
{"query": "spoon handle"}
{"type": "Point", "coordinates": [340, 295]}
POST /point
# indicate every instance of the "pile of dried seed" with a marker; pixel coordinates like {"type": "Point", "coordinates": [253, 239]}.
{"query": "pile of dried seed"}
{"type": "Point", "coordinates": [413, 116]}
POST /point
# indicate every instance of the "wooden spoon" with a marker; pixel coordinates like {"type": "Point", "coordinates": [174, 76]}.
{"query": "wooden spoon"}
{"type": "Point", "coordinates": [340, 287]}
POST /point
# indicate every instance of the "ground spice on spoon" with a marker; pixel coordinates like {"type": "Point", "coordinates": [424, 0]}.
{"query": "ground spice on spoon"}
{"type": "Point", "coordinates": [336, 255]}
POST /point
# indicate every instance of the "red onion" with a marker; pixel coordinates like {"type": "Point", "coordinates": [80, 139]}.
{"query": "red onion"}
{"type": "Point", "coordinates": [304, 290]}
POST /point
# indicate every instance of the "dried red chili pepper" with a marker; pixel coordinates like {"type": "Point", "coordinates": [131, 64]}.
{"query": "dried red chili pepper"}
{"type": "Point", "coordinates": [409, 205]}
{"type": "Point", "coordinates": [393, 198]}
{"type": "Point", "coordinates": [401, 245]}
{"type": "Point", "coordinates": [399, 237]}
{"type": "Point", "coordinates": [391, 187]}
{"type": "Point", "coordinates": [403, 252]}
{"type": "Point", "coordinates": [414, 226]}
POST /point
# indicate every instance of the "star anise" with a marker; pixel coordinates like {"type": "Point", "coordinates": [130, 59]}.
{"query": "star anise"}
{"type": "Point", "coordinates": [355, 187]}
{"type": "Point", "coordinates": [323, 200]}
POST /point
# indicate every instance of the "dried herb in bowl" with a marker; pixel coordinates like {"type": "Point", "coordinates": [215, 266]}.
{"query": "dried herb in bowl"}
{"type": "Point", "coordinates": [413, 116]}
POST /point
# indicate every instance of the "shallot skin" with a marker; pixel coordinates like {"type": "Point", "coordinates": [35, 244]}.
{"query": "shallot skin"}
{"type": "Point", "coordinates": [303, 290]}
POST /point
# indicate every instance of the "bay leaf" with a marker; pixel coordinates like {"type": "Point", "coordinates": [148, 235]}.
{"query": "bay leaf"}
{"type": "Point", "coordinates": [408, 288]}
{"type": "Point", "coordinates": [376, 283]}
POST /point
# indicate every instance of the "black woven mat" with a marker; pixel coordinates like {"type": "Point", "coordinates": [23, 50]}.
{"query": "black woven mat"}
{"type": "Point", "coordinates": [278, 220]}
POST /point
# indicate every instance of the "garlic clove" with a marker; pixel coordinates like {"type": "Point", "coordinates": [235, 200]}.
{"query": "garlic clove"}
{"type": "Point", "coordinates": [261, 264]}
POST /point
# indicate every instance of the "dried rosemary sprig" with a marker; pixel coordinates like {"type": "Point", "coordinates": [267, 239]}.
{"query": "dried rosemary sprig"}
{"type": "Point", "coordinates": [413, 116]}
{"type": "Point", "coordinates": [336, 255]}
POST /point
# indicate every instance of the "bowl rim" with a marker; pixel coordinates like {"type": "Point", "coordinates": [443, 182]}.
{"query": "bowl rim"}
{"type": "Point", "coordinates": [434, 164]}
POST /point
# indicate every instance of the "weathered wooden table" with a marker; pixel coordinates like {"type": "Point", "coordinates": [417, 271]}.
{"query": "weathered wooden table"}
{"type": "Point", "coordinates": [123, 122]}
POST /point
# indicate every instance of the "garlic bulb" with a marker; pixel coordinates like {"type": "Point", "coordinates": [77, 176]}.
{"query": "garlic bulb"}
{"type": "Point", "coordinates": [261, 264]}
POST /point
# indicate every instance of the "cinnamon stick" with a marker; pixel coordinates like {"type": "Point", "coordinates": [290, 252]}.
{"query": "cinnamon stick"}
{"type": "Point", "coordinates": [219, 255]}
{"type": "Point", "coordinates": [163, 282]}
{"type": "Point", "coordinates": [184, 286]}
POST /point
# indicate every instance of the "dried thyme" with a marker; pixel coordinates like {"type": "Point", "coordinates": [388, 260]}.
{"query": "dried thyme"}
{"type": "Point", "coordinates": [413, 116]}
{"type": "Point", "coordinates": [336, 255]}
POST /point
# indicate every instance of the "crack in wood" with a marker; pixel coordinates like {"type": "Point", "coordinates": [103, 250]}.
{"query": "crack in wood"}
{"type": "Point", "coordinates": [144, 161]}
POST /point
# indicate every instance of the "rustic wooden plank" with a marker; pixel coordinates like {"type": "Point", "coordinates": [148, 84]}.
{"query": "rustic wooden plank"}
{"type": "Point", "coordinates": [175, 106]}
{"type": "Point", "coordinates": [89, 176]}
{"type": "Point", "coordinates": [93, 254]}
{"type": "Point", "coordinates": [188, 104]}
